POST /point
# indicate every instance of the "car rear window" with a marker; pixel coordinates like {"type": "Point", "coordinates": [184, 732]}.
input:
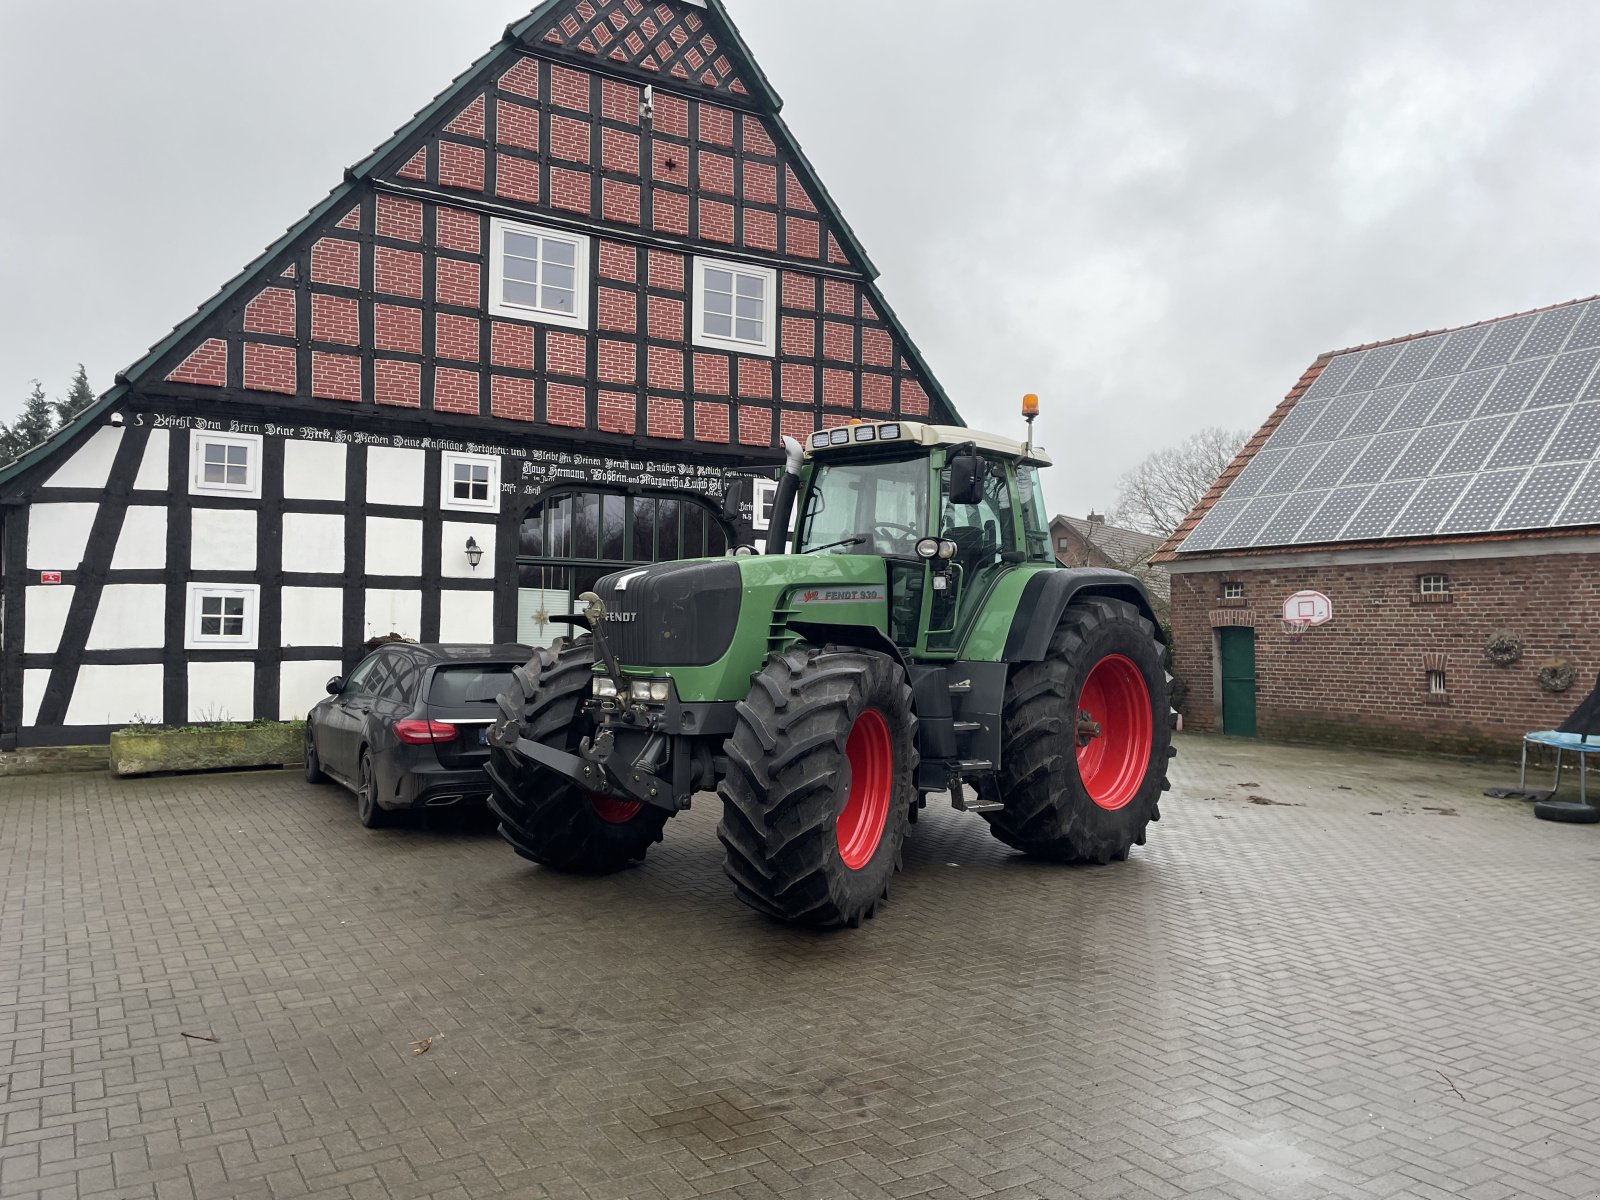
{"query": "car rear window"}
{"type": "Point", "coordinates": [455, 687]}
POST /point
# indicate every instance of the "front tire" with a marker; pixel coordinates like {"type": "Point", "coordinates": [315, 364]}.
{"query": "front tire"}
{"type": "Point", "coordinates": [314, 773]}
{"type": "Point", "coordinates": [1087, 738]}
{"type": "Point", "coordinates": [820, 784]}
{"type": "Point", "coordinates": [548, 819]}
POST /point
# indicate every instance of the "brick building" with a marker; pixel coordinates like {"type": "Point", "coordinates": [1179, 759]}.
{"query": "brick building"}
{"type": "Point", "coordinates": [558, 323]}
{"type": "Point", "coordinates": [1093, 542]}
{"type": "Point", "coordinates": [1432, 503]}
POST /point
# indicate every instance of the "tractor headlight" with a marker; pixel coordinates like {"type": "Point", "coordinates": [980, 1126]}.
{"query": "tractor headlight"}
{"type": "Point", "coordinates": [928, 548]}
{"type": "Point", "coordinates": [947, 549]}
{"type": "Point", "coordinates": [649, 689]}
{"type": "Point", "coordinates": [819, 440]}
{"type": "Point", "coordinates": [889, 433]}
{"type": "Point", "coordinates": [605, 687]}
{"type": "Point", "coordinates": [839, 437]}
{"type": "Point", "coordinates": [866, 433]}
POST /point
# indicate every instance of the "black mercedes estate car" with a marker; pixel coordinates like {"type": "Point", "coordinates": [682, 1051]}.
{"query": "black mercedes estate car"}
{"type": "Point", "coordinates": [408, 728]}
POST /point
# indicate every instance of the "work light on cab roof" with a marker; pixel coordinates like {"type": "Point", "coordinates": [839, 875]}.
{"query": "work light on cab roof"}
{"type": "Point", "coordinates": [907, 633]}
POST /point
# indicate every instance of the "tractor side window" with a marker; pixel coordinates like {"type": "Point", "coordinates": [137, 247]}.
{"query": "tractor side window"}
{"type": "Point", "coordinates": [984, 530]}
{"type": "Point", "coordinates": [874, 507]}
{"type": "Point", "coordinates": [1035, 524]}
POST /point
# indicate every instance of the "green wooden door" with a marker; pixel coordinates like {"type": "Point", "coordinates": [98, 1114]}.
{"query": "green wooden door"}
{"type": "Point", "coordinates": [1238, 681]}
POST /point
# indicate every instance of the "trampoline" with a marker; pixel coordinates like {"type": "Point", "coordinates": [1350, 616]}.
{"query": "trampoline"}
{"type": "Point", "coordinates": [1580, 744]}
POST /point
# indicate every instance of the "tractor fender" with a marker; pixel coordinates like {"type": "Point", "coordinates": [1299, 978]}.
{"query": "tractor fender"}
{"type": "Point", "coordinates": [1047, 594]}
{"type": "Point", "coordinates": [861, 637]}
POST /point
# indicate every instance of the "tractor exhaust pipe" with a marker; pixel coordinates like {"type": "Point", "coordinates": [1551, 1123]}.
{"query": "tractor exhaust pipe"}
{"type": "Point", "coordinates": [783, 503]}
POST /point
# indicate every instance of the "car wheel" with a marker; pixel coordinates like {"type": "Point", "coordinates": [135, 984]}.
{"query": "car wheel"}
{"type": "Point", "coordinates": [369, 812]}
{"type": "Point", "coordinates": [313, 763]}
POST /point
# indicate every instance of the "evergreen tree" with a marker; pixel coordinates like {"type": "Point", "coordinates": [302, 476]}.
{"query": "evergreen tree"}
{"type": "Point", "coordinates": [35, 425]}
{"type": "Point", "coordinates": [79, 397]}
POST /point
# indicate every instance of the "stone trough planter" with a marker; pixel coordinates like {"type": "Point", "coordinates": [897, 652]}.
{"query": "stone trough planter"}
{"type": "Point", "coordinates": [162, 751]}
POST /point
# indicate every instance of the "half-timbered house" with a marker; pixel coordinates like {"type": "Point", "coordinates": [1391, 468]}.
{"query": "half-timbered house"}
{"type": "Point", "coordinates": [558, 323]}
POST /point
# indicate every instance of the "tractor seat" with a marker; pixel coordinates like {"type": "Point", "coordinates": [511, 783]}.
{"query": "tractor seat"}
{"type": "Point", "coordinates": [975, 548]}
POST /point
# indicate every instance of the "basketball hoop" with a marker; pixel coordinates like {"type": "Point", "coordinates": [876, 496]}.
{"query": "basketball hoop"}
{"type": "Point", "coordinates": [1293, 628]}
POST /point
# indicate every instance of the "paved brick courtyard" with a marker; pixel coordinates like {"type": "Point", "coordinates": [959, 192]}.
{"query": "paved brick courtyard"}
{"type": "Point", "coordinates": [1380, 984]}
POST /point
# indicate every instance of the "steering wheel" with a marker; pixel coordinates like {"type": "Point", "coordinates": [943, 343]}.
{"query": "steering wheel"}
{"type": "Point", "coordinates": [895, 528]}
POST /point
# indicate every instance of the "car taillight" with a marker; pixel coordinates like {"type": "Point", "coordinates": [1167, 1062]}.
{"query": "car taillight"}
{"type": "Point", "coordinates": [421, 733]}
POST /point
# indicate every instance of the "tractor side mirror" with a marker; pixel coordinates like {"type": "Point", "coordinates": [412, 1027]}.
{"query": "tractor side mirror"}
{"type": "Point", "coordinates": [335, 685]}
{"type": "Point", "coordinates": [966, 479]}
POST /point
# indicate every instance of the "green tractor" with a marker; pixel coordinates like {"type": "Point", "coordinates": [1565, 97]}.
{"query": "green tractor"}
{"type": "Point", "coordinates": [912, 634]}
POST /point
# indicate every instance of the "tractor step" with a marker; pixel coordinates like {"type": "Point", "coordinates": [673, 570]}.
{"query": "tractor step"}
{"type": "Point", "coordinates": [958, 795]}
{"type": "Point", "coordinates": [969, 726]}
{"type": "Point", "coordinates": [972, 767]}
{"type": "Point", "coordinates": [962, 688]}
{"type": "Point", "coordinates": [975, 805]}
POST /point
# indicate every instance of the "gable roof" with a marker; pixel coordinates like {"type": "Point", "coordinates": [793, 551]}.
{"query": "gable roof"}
{"type": "Point", "coordinates": [1116, 543]}
{"type": "Point", "coordinates": [1489, 431]}
{"type": "Point", "coordinates": [515, 39]}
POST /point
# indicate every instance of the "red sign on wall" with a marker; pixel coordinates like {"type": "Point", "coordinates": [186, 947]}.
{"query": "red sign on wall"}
{"type": "Point", "coordinates": [49, 576]}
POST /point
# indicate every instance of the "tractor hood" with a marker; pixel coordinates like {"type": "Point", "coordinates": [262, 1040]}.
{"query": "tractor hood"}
{"type": "Point", "coordinates": [724, 613]}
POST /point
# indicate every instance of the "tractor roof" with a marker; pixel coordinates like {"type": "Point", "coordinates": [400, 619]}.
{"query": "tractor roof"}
{"type": "Point", "coordinates": [870, 435]}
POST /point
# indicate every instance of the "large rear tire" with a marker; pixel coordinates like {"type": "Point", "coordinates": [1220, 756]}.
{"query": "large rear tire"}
{"type": "Point", "coordinates": [547, 819]}
{"type": "Point", "coordinates": [1087, 735]}
{"type": "Point", "coordinates": [821, 779]}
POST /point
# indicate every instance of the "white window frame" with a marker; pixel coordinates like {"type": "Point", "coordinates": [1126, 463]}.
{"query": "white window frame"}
{"type": "Point", "coordinates": [1434, 585]}
{"type": "Point", "coordinates": [1233, 591]}
{"type": "Point", "coordinates": [763, 498]}
{"type": "Point", "coordinates": [199, 439]}
{"type": "Point", "coordinates": [447, 480]}
{"type": "Point", "coordinates": [500, 307]}
{"type": "Point", "coordinates": [767, 346]}
{"type": "Point", "coordinates": [198, 592]}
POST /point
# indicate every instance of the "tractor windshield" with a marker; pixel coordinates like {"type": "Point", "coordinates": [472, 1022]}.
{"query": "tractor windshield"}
{"type": "Point", "coordinates": [874, 507]}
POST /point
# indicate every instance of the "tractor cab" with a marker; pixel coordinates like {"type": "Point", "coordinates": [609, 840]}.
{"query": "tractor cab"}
{"type": "Point", "coordinates": [947, 510]}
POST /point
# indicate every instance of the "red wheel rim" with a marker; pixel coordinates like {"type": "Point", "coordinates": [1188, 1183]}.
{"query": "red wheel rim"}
{"type": "Point", "coordinates": [1114, 732]}
{"type": "Point", "coordinates": [613, 811]}
{"type": "Point", "coordinates": [866, 808]}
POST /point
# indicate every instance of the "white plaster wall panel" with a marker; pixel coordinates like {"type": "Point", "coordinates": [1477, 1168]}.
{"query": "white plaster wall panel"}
{"type": "Point", "coordinates": [395, 476]}
{"type": "Point", "coordinates": [116, 695]}
{"type": "Point", "coordinates": [222, 539]}
{"type": "Point", "coordinates": [45, 619]}
{"type": "Point", "coordinates": [130, 616]}
{"type": "Point", "coordinates": [90, 464]}
{"type": "Point", "coordinates": [302, 684]}
{"type": "Point", "coordinates": [453, 554]}
{"type": "Point", "coordinates": [393, 612]}
{"type": "Point", "coordinates": [153, 473]}
{"type": "Point", "coordinates": [466, 616]}
{"type": "Point", "coordinates": [142, 545]}
{"type": "Point", "coordinates": [33, 686]}
{"type": "Point", "coordinates": [58, 535]}
{"type": "Point", "coordinates": [313, 616]}
{"type": "Point", "coordinates": [394, 547]}
{"type": "Point", "coordinates": [313, 543]}
{"type": "Point", "coordinates": [223, 691]}
{"type": "Point", "coordinates": [313, 470]}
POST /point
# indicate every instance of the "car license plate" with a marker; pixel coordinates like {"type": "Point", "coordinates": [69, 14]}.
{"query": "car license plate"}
{"type": "Point", "coordinates": [483, 736]}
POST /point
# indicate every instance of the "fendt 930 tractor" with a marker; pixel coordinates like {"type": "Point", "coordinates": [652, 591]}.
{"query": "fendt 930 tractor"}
{"type": "Point", "coordinates": [909, 632]}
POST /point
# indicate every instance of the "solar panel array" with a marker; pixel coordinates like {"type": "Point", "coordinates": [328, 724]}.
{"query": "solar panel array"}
{"type": "Point", "coordinates": [1491, 428]}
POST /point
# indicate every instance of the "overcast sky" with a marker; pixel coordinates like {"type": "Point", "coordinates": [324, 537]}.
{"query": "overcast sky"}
{"type": "Point", "coordinates": [1153, 214]}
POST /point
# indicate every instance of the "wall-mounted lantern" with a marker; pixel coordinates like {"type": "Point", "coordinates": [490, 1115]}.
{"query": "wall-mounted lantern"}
{"type": "Point", "coordinates": [474, 552]}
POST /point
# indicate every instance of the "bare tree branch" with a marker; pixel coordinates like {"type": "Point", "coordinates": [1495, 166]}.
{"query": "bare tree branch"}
{"type": "Point", "coordinates": [1158, 493]}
